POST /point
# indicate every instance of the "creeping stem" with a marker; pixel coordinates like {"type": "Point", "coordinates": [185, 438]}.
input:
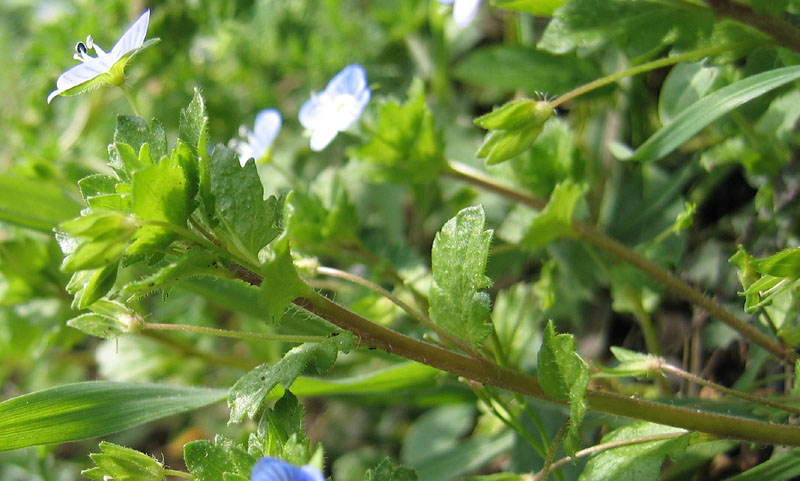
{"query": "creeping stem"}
{"type": "Point", "coordinates": [628, 255]}
{"type": "Point", "coordinates": [484, 371]}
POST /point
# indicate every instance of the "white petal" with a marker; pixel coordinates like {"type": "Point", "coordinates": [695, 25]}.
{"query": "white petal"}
{"type": "Point", "coordinates": [464, 11]}
{"type": "Point", "coordinates": [321, 137]}
{"type": "Point", "coordinates": [268, 123]}
{"type": "Point", "coordinates": [133, 38]}
{"type": "Point", "coordinates": [313, 111]}
{"type": "Point", "coordinates": [351, 80]}
{"type": "Point", "coordinates": [83, 72]}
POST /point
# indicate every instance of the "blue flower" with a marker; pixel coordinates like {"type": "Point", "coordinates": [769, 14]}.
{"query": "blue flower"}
{"type": "Point", "coordinates": [271, 469]}
{"type": "Point", "coordinates": [334, 109]}
{"type": "Point", "coordinates": [463, 10]}
{"type": "Point", "coordinates": [107, 68]}
{"type": "Point", "coordinates": [258, 142]}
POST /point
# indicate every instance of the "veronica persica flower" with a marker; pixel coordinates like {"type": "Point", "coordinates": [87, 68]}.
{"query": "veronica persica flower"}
{"type": "Point", "coordinates": [463, 10]}
{"type": "Point", "coordinates": [271, 469]}
{"type": "Point", "coordinates": [106, 68]}
{"type": "Point", "coordinates": [334, 109]}
{"type": "Point", "coordinates": [257, 143]}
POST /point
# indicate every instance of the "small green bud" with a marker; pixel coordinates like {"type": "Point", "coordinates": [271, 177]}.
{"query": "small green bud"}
{"type": "Point", "coordinates": [513, 128]}
{"type": "Point", "coordinates": [119, 463]}
{"type": "Point", "coordinates": [685, 218]}
{"type": "Point", "coordinates": [109, 320]}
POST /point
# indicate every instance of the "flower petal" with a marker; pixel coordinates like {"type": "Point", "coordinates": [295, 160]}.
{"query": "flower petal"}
{"type": "Point", "coordinates": [268, 123]}
{"type": "Point", "coordinates": [464, 11]}
{"type": "Point", "coordinates": [350, 81]}
{"type": "Point", "coordinates": [133, 38]}
{"type": "Point", "coordinates": [313, 111]}
{"type": "Point", "coordinates": [271, 469]}
{"type": "Point", "coordinates": [322, 136]}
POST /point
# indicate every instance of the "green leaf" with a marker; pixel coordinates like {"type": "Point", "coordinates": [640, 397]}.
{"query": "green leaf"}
{"type": "Point", "coordinates": [540, 8]}
{"type": "Point", "coordinates": [98, 325]}
{"type": "Point", "coordinates": [638, 26]}
{"type": "Point", "coordinates": [101, 281]}
{"type": "Point", "coordinates": [247, 395]}
{"type": "Point", "coordinates": [564, 376]}
{"type": "Point", "coordinates": [708, 109]}
{"type": "Point", "coordinates": [89, 409]}
{"type": "Point", "coordinates": [217, 461]}
{"type": "Point", "coordinates": [101, 238]}
{"type": "Point", "coordinates": [685, 84]}
{"type": "Point", "coordinates": [194, 263]}
{"type": "Point", "coordinates": [517, 320]}
{"type": "Point", "coordinates": [247, 222]}
{"type": "Point", "coordinates": [164, 193]}
{"type": "Point", "coordinates": [514, 68]}
{"type": "Point", "coordinates": [635, 462]}
{"type": "Point", "coordinates": [280, 285]}
{"type": "Point", "coordinates": [280, 432]}
{"type": "Point", "coordinates": [405, 145]}
{"type": "Point", "coordinates": [631, 364]}
{"type": "Point", "coordinates": [785, 263]}
{"type": "Point", "coordinates": [555, 221]}
{"type": "Point", "coordinates": [387, 471]}
{"type": "Point", "coordinates": [35, 204]}
{"type": "Point", "coordinates": [119, 463]}
{"type": "Point", "coordinates": [135, 132]}
{"type": "Point", "coordinates": [193, 126]}
{"type": "Point", "coordinates": [458, 262]}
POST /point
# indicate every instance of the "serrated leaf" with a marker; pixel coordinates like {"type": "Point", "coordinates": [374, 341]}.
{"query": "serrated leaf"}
{"type": "Point", "coordinates": [280, 432]}
{"type": "Point", "coordinates": [405, 146]}
{"type": "Point", "coordinates": [217, 461]}
{"type": "Point", "coordinates": [458, 263]}
{"type": "Point", "coordinates": [555, 221]}
{"type": "Point", "coordinates": [685, 84]}
{"type": "Point", "coordinates": [635, 462]}
{"type": "Point", "coordinates": [193, 126]}
{"type": "Point", "coordinates": [280, 285]}
{"type": "Point", "coordinates": [136, 132]}
{"type": "Point", "coordinates": [35, 204]}
{"type": "Point", "coordinates": [195, 262]}
{"type": "Point", "coordinates": [639, 26]}
{"type": "Point", "coordinates": [564, 376]}
{"type": "Point", "coordinates": [247, 395]}
{"type": "Point", "coordinates": [97, 184]}
{"type": "Point", "coordinates": [708, 109]}
{"type": "Point", "coordinates": [89, 409]}
{"type": "Point", "coordinates": [119, 463]}
{"type": "Point", "coordinates": [388, 471]}
{"type": "Point", "coordinates": [247, 222]}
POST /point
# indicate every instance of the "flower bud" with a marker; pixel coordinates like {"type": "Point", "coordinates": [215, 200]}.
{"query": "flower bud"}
{"type": "Point", "coordinates": [513, 128]}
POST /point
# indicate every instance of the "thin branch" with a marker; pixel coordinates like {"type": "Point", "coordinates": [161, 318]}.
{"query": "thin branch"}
{"type": "Point", "coordinates": [232, 334]}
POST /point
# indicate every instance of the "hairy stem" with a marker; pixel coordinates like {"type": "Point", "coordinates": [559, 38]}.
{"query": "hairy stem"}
{"type": "Point", "coordinates": [646, 67]}
{"type": "Point", "coordinates": [629, 256]}
{"type": "Point", "coordinates": [232, 334]}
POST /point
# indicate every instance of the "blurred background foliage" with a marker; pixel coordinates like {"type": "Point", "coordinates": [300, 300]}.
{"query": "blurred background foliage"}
{"type": "Point", "coordinates": [742, 174]}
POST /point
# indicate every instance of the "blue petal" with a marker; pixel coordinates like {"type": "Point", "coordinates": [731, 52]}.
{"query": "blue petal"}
{"type": "Point", "coordinates": [133, 38]}
{"type": "Point", "coordinates": [271, 469]}
{"type": "Point", "coordinates": [350, 81]}
{"type": "Point", "coordinates": [268, 123]}
{"type": "Point", "coordinates": [312, 111]}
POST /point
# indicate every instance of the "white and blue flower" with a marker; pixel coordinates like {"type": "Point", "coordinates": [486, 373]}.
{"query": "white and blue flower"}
{"type": "Point", "coordinates": [107, 68]}
{"type": "Point", "coordinates": [334, 109]}
{"type": "Point", "coordinates": [257, 144]}
{"type": "Point", "coordinates": [272, 469]}
{"type": "Point", "coordinates": [464, 11]}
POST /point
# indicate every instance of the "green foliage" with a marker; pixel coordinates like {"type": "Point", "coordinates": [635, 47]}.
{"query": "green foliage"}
{"type": "Point", "coordinates": [34, 204]}
{"type": "Point", "coordinates": [639, 27]}
{"type": "Point", "coordinates": [88, 409]}
{"type": "Point", "coordinates": [685, 84]}
{"type": "Point", "coordinates": [404, 145]}
{"type": "Point", "coordinates": [247, 222]}
{"type": "Point", "coordinates": [247, 395]}
{"type": "Point", "coordinates": [555, 221]}
{"type": "Point", "coordinates": [640, 461]}
{"type": "Point", "coordinates": [564, 376]}
{"type": "Point", "coordinates": [387, 471]}
{"type": "Point", "coordinates": [119, 463]}
{"type": "Point", "coordinates": [458, 262]}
